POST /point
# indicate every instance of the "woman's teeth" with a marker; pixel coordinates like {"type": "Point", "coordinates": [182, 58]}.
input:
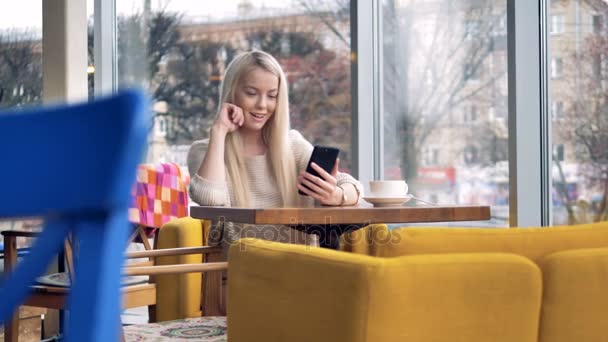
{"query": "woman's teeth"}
{"type": "Point", "coordinates": [257, 116]}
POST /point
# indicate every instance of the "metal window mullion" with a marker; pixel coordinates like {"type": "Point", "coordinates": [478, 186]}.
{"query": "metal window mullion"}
{"type": "Point", "coordinates": [104, 33]}
{"type": "Point", "coordinates": [546, 145]}
{"type": "Point", "coordinates": [363, 90]}
{"type": "Point", "coordinates": [377, 88]}
{"type": "Point", "coordinates": [526, 145]}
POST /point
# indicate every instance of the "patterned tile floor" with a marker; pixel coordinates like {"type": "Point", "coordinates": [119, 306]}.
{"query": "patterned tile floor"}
{"type": "Point", "coordinates": [201, 329]}
{"type": "Point", "coordinates": [135, 316]}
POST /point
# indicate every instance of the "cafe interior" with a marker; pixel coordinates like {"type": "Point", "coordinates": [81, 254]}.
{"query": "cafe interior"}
{"type": "Point", "coordinates": [475, 133]}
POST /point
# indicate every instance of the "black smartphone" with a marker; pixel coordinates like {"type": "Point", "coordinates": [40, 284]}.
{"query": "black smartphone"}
{"type": "Point", "coordinates": [323, 156]}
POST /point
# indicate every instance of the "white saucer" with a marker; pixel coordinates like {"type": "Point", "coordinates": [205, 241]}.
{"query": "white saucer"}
{"type": "Point", "coordinates": [387, 201]}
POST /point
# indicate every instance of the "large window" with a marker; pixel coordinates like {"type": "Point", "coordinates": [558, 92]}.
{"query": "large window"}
{"type": "Point", "coordinates": [580, 98]}
{"type": "Point", "coordinates": [444, 106]}
{"type": "Point", "coordinates": [180, 50]}
{"type": "Point", "coordinates": [440, 92]}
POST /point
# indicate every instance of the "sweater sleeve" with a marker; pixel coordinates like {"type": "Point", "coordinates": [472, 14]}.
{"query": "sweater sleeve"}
{"type": "Point", "coordinates": [203, 191]}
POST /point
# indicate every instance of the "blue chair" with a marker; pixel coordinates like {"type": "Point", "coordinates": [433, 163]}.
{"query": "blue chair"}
{"type": "Point", "coordinates": [74, 167]}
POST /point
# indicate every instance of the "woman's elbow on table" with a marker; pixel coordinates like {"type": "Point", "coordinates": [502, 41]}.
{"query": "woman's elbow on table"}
{"type": "Point", "coordinates": [207, 197]}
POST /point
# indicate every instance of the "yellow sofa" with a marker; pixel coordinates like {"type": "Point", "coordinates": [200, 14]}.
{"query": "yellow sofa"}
{"type": "Point", "coordinates": [409, 284]}
{"type": "Point", "coordinates": [425, 284]}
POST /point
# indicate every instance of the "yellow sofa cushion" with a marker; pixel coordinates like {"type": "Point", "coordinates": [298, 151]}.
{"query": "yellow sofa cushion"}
{"type": "Point", "coordinates": [575, 296]}
{"type": "Point", "coordinates": [365, 240]}
{"type": "Point", "coordinates": [282, 292]}
{"type": "Point", "coordinates": [179, 295]}
{"type": "Point", "coordinates": [533, 243]}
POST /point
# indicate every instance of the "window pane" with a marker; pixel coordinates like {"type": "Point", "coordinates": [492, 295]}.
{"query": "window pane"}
{"type": "Point", "coordinates": [182, 51]}
{"type": "Point", "coordinates": [20, 54]}
{"type": "Point", "coordinates": [20, 70]}
{"type": "Point", "coordinates": [580, 118]}
{"type": "Point", "coordinates": [445, 101]}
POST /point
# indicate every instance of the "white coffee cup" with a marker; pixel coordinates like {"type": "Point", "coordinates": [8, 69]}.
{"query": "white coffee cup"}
{"type": "Point", "coordinates": [388, 188]}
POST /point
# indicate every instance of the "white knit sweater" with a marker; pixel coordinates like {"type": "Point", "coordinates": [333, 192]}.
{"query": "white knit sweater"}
{"type": "Point", "coordinates": [263, 194]}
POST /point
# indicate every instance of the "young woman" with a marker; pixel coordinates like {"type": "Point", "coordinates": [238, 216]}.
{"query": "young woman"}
{"type": "Point", "coordinates": [253, 159]}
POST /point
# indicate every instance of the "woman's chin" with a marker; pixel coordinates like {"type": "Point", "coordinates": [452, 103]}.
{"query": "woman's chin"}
{"type": "Point", "coordinates": [254, 126]}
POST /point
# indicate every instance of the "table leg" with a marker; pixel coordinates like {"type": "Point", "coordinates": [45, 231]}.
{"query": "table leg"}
{"type": "Point", "coordinates": [329, 234]}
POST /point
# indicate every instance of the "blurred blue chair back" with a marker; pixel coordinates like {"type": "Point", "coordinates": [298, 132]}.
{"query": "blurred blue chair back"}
{"type": "Point", "coordinates": [73, 166]}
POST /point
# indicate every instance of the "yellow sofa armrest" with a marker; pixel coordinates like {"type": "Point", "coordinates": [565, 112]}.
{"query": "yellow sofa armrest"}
{"type": "Point", "coordinates": [575, 297]}
{"type": "Point", "coordinates": [281, 292]}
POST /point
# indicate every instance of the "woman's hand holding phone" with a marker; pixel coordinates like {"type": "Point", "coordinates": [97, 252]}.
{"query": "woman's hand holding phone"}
{"type": "Point", "coordinates": [229, 118]}
{"type": "Point", "coordinates": [322, 188]}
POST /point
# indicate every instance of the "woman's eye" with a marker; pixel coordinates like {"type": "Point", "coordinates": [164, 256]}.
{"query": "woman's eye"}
{"type": "Point", "coordinates": [250, 93]}
{"type": "Point", "coordinates": [273, 96]}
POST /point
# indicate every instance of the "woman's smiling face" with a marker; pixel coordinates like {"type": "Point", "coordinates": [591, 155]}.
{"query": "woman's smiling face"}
{"type": "Point", "coordinates": [257, 94]}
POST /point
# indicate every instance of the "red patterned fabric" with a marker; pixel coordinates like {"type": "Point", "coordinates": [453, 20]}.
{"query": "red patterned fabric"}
{"type": "Point", "coordinates": [159, 195]}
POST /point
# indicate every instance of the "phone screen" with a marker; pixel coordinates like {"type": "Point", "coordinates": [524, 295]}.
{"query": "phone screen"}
{"type": "Point", "coordinates": [323, 156]}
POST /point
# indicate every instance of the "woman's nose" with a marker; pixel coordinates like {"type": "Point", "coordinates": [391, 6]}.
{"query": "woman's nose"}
{"type": "Point", "coordinates": [261, 103]}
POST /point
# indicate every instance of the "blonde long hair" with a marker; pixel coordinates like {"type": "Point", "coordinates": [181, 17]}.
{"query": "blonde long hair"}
{"type": "Point", "coordinates": [275, 133]}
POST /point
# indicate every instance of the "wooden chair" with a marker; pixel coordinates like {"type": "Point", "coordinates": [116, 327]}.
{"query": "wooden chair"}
{"type": "Point", "coordinates": [73, 166]}
{"type": "Point", "coordinates": [54, 296]}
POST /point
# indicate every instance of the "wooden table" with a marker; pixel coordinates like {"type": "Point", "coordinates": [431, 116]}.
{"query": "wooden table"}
{"type": "Point", "coordinates": [330, 222]}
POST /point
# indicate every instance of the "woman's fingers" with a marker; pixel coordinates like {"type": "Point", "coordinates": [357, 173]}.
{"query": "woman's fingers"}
{"type": "Point", "coordinates": [313, 183]}
{"type": "Point", "coordinates": [234, 113]}
{"type": "Point", "coordinates": [238, 116]}
{"type": "Point", "coordinates": [324, 186]}
{"type": "Point", "coordinates": [307, 191]}
{"type": "Point", "coordinates": [242, 117]}
{"type": "Point", "coordinates": [318, 188]}
{"type": "Point", "coordinates": [334, 171]}
{"type": "Point", "coordinates": [319, 197]}
{"type": "Point", "coordinates": [329, 178]}
{"type": "Point", "coordinates": [231, 116]}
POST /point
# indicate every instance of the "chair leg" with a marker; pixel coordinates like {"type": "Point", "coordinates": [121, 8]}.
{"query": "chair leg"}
{"type": "Point", "coordinates": [101, 240]}
{"type": "Point", "coordinates": [152, 308]}
{"type": "Point", "coordinates": [213, 290]}
{"type": "Point", "coordinates": [152, 313]}
{"type": "Point", "coordinates": [16, 285]}
{"type": "Point", "coordinates": [143, 237]}
{"type": "Point", "coordinates": [51, 324]}
{"type": "Point", "coordinates": [69, 258]}
{"type": "Point", "coordinates": [155, 241]}
{"type": "Point", "coordinates": [11, 329]}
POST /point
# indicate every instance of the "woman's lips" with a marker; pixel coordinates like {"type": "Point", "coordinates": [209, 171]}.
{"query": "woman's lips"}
{"type": "Point", "coordinates": [258, 116]}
